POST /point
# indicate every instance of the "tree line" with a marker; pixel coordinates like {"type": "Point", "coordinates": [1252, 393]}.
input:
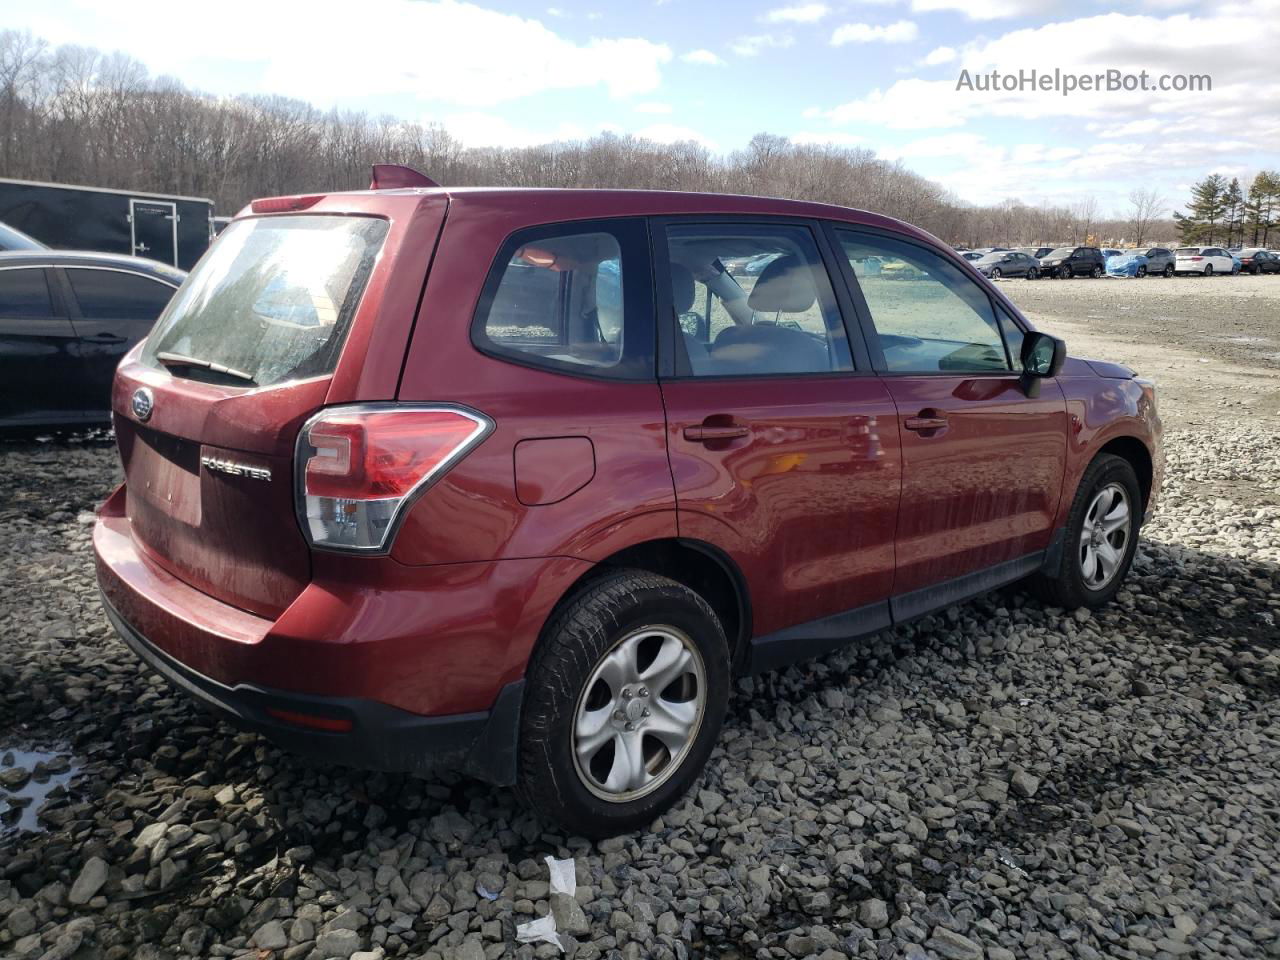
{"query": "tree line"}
{"type": "Point", "coordinates": [77, 115]}
{"type": "Point", "coordinates": [1223, 213]}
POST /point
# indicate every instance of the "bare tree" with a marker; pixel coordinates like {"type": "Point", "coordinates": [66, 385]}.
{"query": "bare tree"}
{"type": "Point", "coordinates": [1144, 207]}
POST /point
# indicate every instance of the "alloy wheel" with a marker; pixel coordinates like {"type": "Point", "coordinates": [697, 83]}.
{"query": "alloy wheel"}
{"type": "Point", "coordinates": [639, 713]}
{"type": "Point", "coordinates": [1104, 537]}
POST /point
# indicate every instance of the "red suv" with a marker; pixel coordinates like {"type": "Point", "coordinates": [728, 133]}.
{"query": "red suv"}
{"type": "Point", "coordinates": [518, 480]}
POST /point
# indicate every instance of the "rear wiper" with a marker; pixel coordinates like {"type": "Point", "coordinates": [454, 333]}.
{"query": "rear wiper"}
{"type": "Point", "coordinates": [178, 360]}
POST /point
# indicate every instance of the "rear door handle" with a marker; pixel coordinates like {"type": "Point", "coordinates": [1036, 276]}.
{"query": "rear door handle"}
{"type": "Point", "coordinates": [705, 434]}
{"type": "Point", "coordinates": [105, 338]}
{"type": "Point", "coordinates": [923, 422]}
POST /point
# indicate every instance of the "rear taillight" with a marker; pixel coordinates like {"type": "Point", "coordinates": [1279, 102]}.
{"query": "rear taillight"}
{"type": "Point", "coordinates": [359, 468]}
{"type": "Point", "coordinates": [1197, 258]}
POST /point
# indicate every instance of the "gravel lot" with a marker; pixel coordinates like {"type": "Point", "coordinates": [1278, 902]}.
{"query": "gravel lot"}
{"type": "Point", "coordinates": [1004, 780]}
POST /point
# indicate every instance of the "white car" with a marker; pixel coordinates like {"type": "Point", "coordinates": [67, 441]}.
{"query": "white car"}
{"type": "Point", "coordinates": [1204, 260]}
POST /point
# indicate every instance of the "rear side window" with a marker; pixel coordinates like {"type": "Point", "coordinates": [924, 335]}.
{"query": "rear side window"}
{"type": "Point", "coordinates": [272, 300]}
{"type": "Point", "coordinates": [115, 295]}
{"type": "Point", "coordinates": [573, 298]}
{"type": "Point", "coordinates": [24, 294]}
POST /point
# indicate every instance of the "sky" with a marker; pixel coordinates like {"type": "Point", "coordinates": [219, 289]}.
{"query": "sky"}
{"type": "Point", "coordinates": [881, 74]}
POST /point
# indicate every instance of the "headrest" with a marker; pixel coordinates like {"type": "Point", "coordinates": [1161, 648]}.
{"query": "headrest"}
{"type": "Point", "coordinates": [681, 288]}
{"type": "Point", "coordinates": [784, 286]}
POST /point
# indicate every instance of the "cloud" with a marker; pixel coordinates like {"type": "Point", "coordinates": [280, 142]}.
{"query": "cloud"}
{"type": "Point", "coordinates": [754, 45]}
{"type": "Point", "coordinates": [704, 57]}
{"type": "Point", "coordinates": [902, 31]}
{"type": "Point", "coordinates": [939, 55]}
{"type": "Point", "coordinates": [801, 13]}
{"type": "Point", "coordinates": [478, 58]}
{"type": "Point", "coordinates": [652, 108]}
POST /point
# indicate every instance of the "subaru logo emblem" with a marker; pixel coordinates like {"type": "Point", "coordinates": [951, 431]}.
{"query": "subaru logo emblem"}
{"type": "Point", "coordinates": [143, 403]}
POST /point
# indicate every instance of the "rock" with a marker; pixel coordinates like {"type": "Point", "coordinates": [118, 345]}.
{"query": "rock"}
{"type": "Point", "coordinates": [873, 913]}
{"type": "Point", "coordinates": [338, 943]}
{"type": "Point", "coordinates": [271, 936]}
{"type": "Point", "coordinates": [89, 881]}
{"type": "Point", "coordinates": [21, 922]}
{"type": "Point", "coordinates": [569, 915]}
{"type": "Point", "coordinates": [953, 946]}
{"type": "Point", "coordinates": [1024, 784]}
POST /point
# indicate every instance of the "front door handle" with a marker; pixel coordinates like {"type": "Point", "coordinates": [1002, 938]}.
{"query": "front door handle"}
{"type": "Point", "coordinates": [709, 434]}
{"type": "Point", "coordinates": [924, 421]}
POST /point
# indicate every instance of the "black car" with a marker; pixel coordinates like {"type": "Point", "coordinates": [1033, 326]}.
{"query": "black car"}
{"type": "Point", "coordinates": [1067, 262]}
{"type": "Point", "coordinates": [66, 319]}
{"type": "Point", "coordinates": [1257, 260]}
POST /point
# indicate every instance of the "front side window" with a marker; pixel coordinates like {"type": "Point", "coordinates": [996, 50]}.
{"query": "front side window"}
{"type": "Point", "coordinates": [115, 295]}
{"type": "Point", "coordinates": [571, 298]}
{"type": "Point", "coordinates": [24, 294]}
{"type": "Point", "coordinates": [929, 317]}
{"type": "Point", "coordinates": [753, 300]}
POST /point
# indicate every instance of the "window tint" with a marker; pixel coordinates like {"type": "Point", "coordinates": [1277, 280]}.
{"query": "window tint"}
{"type": "Point", "coordinates": [24, 294]}
{"type": "Point", "coordinates": [112, 295]}
{"type": "Point", "coordinates": [572, 297]}
{"type": "Point", "coordinates": [753, 300]}
{"type": "Point", "coordinates": [929, 317]}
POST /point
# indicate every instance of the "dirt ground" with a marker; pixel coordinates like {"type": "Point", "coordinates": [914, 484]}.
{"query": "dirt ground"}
{"type": "Point", "coordinates": [1211, 344]}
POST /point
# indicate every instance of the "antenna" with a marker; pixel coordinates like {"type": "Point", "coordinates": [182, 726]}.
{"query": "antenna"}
{"type": "Point", "coordinates": [393, 175]}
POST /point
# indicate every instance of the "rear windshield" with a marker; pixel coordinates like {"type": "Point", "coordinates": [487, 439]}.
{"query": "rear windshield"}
{"type": "Point", "coordinates": [1187, 251]}
{"type": "Point", "coordinates": [270, 302]}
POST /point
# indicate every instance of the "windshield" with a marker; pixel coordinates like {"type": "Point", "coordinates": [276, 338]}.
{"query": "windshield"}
{"type": "Point", "coordinates": [990, 257]}
{"type": "Point", "coordinates": [270, 302]}
{"type": "Point", "coordinates": [1060, 252]}
{"type": "Point", "coordinates": [11, 239]}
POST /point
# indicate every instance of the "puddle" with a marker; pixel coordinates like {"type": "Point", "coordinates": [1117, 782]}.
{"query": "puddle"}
{"type": "Point", "coordinates": [21, 796]}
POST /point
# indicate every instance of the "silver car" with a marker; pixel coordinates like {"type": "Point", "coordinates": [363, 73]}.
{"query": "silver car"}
{"type": "Point", "coordinates": [1008, 263]}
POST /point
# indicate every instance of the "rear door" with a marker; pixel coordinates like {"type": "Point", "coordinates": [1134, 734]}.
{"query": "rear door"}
{"type": "Point", "coordinates": [38, 364]}
{"type": "Point", "coordinates": [982, 463]}
{"type": "Point", "coordinates": [783, 450]}
{"type": "Point", "coordinates": [111, 310]}
{"type": "Point", "coordinates": [287, 313]}
{"type": "Point", "coordinates": [153, 225]}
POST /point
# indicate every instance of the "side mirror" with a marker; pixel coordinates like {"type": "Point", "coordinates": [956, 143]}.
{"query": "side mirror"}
{"type": "Point", "coordinates": [1042, 356]}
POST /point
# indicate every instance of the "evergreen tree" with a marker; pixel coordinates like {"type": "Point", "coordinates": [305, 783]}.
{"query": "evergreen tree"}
{"type": "Point", "coordinates": [1260, 208]}
{"type": "Point", "coordinates": [1233, 212]}
{"type": "Point", "coordinates": [1201, 222]}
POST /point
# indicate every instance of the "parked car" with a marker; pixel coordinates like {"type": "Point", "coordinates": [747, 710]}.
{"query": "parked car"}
{"type": "Point", "coordinates": [472, 519]}
{"type": "Point", "coordinates": [1256, 260]}
{"type": "Point", "coordinates": [66, 319]}
{"type": "Point", "coordinates": [1066, 262]}
{"type": "Point", "coordinates": [1132, 263]}
{"type": "Point", "coordinates": [1159, 260]}
{"type": "Point", "coordinates": [1009, 263]}
{"type": "Point", "coordinates": [1204, 260]}
{"type": "Point", "coordinates": [13, 239]}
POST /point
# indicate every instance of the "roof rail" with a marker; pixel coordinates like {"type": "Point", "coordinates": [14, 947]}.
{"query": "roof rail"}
{"type": "Point", "coordinates": [393, 175]}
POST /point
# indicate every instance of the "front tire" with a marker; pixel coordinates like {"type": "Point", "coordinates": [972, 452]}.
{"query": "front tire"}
{"type": "Point", "coordinates": [1064, 273]}
{"type": "Point", "coordinates": [626, 694]}
{"type": "Point", "coordinates": [995, 273]}
{"type": "Point", "coordinates": [1101, 537]}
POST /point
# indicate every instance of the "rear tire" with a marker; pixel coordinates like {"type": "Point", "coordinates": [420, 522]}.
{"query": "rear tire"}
{"type": "Point", "coordinates": [610, 736]}
{"type": "Point", "coordinates": [1097, 272]}
{"type": "Point", "coordinates": [1168, 271]}
{"type": "Point", "coordinates": [1208, 270]}
{"type": "Point", "coordinates": [1142, 272]}
{"type": "Point", "coordinates": [1100, 539]}
{"type": "Point", "coordinates": [1033, 274]}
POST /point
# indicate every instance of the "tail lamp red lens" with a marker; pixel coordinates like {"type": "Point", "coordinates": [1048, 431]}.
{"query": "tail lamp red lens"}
{"type": "Point", "coordinates": [313, 720]}
{"type": "Point", "coordinates": [360, 467]}
{"type": "Point", "coordinates": [285, 204]}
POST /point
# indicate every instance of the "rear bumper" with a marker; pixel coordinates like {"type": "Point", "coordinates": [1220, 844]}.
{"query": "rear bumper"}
{"type": "Point", "coordinates": [374, 735]}
{"type": "Point", "coordinates": [418, 668]}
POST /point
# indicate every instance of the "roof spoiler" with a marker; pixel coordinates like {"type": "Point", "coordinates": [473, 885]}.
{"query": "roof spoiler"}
{"type": "Point", "coordinates": [388, 176]}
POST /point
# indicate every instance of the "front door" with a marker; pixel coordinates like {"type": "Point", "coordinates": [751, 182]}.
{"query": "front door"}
{"type": "Point", "coordinates": [783, 455]}
{"type": "Point", "coordinates": [154, 226]}
{"type": "Point", "coordinates": [39, 368]}
{"type": "Point", "coordinates": [982, 462]}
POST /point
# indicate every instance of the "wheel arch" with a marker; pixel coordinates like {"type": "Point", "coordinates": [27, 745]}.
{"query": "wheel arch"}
{"type": "Point", "coordinates": [1134, 451]}
{"type": "Point", "coordinates": [702, 567]}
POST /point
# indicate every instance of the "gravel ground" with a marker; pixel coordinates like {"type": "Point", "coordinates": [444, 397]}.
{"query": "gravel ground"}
{"type": "Point", "coordinates": [1002, 780]}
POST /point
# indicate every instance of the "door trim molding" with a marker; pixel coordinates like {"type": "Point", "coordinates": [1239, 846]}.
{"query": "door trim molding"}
{"type": "Point", "coordinates": [826, 634]}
